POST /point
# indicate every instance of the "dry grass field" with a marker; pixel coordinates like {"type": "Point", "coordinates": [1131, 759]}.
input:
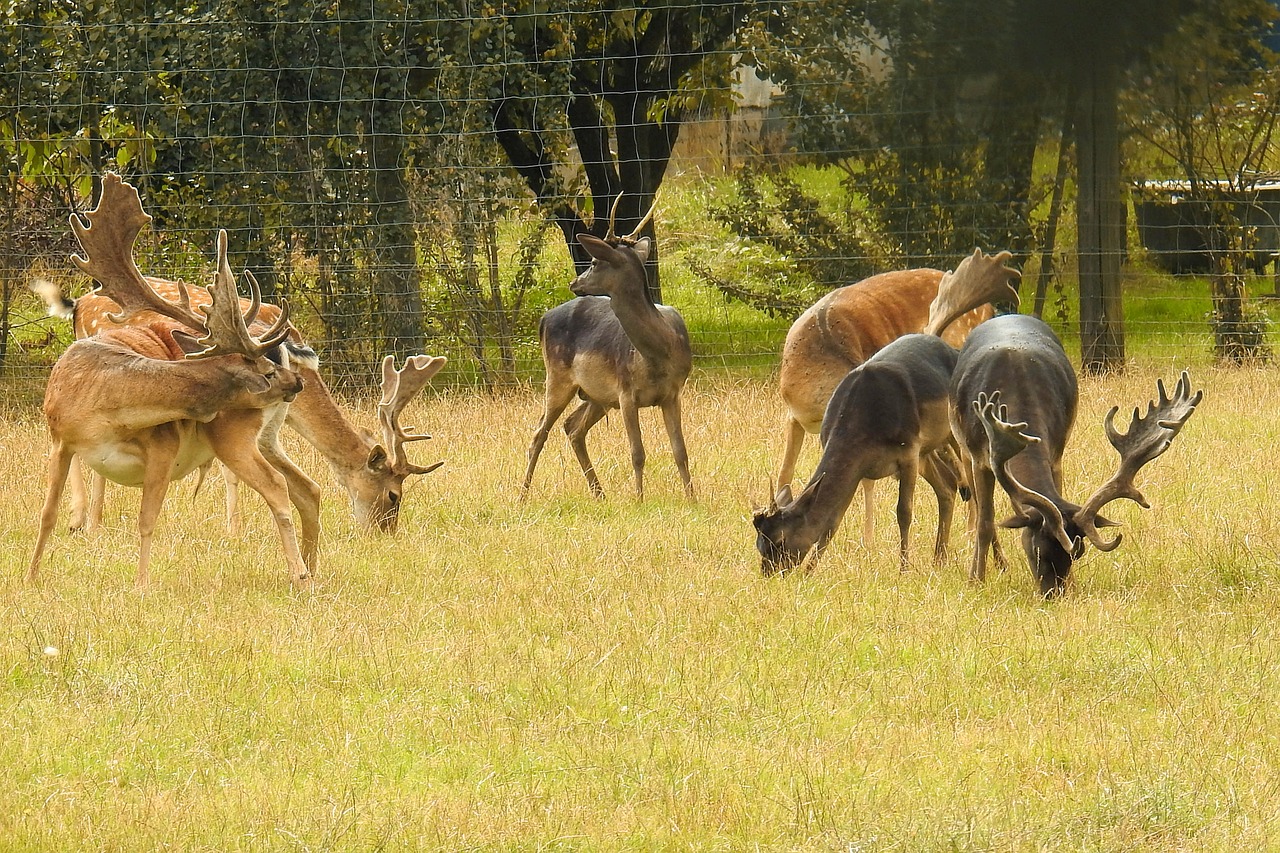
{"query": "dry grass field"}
{"type": "Point", "coordinates": [569, 674]}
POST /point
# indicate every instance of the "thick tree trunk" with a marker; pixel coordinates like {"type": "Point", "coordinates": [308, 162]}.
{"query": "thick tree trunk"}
{"type": "Point", "coordinates": [1100, 220]}
{"type": "Point", "coordinates": [399, 294]}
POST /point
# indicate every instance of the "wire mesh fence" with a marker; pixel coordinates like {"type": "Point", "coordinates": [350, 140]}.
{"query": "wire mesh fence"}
{"type": "Point", "coordinates": [412, 176]}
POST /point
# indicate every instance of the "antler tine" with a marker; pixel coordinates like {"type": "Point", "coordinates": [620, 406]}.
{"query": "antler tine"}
{"type": "Point", "coordinates": [610, 236]}
{"type": "Point", "coordinates": [1148, 437]}
{"type": "Point", "coordinates": [279, 331]}
{"type": "Point", "coordinates": [1004, 441]}
{"type": "Point", "coordinates": [644, 220]}
{"type": "Point", "coordinates": [227, 330]}
{"type": "Point", "coordinates": [398, 388]}
{"type": "Point", "coordinates": [107, 235]}
{"type": "Point", "coordinates": [977, 280]}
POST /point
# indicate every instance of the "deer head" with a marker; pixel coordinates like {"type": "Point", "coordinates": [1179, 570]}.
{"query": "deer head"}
{"type": "Point", "coordinates": [785, 537]}
{"type": "Point", "coordinates": [1054, 529]}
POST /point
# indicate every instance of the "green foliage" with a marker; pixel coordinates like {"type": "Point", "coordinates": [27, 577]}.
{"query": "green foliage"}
{"type": "Point", "coordinates": [774, 220]}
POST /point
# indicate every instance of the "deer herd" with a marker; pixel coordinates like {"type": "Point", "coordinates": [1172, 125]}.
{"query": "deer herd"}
{"type": "Point", "coordinates": [905, 373]}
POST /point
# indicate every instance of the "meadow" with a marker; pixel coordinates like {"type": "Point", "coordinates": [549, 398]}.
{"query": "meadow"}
{"type": "Point", "coordinates": [571, 674]}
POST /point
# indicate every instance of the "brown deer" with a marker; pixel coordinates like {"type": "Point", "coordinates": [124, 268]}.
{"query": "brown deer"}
{"type": "Point", "coordinates": [372, 470]}
{"type": "Point", "coordinates": [614, 348]}
{"type": "Point", "coordinates": [144, 405]}
{"type": "Point", "coordinates": [887, 417]}
{"type": "Point", "coordinates": [1013, 403]}
{"type": "Point", "coordinates": [841, 331]}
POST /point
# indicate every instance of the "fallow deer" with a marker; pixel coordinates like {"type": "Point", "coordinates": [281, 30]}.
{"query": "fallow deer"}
{"type": "Point", "coordinates": [841, 331]}
{"type": "Point", "coordinates": [1013, 403]}
{"type": "Point", "coordinates": [614, 348]}
{"type": "Point", "coordinates": [144, 405]}
{"type": "Point", "coordinates": [887, 417]}
{"type": "Point", "coordinates": [372, 470]}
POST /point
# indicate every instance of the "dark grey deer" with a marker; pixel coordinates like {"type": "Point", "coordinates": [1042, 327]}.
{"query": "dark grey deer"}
{"type": "Point", "coordinates": [887, 417]}
{"type": "Point", "coordinates": [614, 348]}
{"type": "Point", "coordinates": [1014, 398]}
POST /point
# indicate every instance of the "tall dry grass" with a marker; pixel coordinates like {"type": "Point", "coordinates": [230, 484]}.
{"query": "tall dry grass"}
{"type": "Point", "coordinates": [572, 674]}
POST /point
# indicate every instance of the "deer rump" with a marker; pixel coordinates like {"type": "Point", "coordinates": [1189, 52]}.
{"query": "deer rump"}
{"type": "Point", "coordinates": [585, 339]}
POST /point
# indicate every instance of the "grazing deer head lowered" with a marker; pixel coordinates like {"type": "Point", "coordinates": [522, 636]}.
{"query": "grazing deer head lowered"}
{"type": "Point", "coordinates": [146, 404]}
{"type": "Point", "coordinates": [621, 352]}
{"type": "Point", "coordinates": [1014, 399]}
{"type": "Point", "coordinates": [371, 469]}
{"type": "Point", "coordinates": [841, 331]}
{"type": "Point", "coordinates": [887, 417]}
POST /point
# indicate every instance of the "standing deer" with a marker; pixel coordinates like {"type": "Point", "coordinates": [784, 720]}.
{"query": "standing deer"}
{"type": "Point", "coordinates": [841, 331]}
{"type": "Point", "coordinates": [887, 417]}
{"type": "Point", "coordinates": [614, 348]}
{"type": "Point", "coordinates": [372, 470]}
{"type": "Point", "coordinates": [1013, 403]}
{"type": "Point", "coordinates": [144, 405]}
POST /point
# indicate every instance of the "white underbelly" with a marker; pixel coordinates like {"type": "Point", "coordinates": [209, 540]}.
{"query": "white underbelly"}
{"type": "Point", "coordinates": [124, 462]}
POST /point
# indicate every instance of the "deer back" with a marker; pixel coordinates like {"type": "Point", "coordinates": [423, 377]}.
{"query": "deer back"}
{"type": "Point", "coordinates": [849, 325]}
{"type": "Point", "coordinates": [1021, 357]}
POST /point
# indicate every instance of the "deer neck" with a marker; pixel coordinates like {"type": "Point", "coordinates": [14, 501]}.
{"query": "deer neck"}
{"type": "Point", "coordinates": [315, 415]}
{"type": "Point", "coordinates": [648, 331]}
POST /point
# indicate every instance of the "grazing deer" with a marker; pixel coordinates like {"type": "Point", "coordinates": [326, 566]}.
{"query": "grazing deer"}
{"type": "Point", "coordinates": [144, 405]}
{"type": "Point", "coordinates": [372, 470]}
{"type": "Point", "coordinates": [841, 331]}
{"type": "Point", "coordinates": [887, 417]}
{"type": "Point", "coordinates": [614, 348]}
{"type": "Point", "coordinates": [1014, 399]}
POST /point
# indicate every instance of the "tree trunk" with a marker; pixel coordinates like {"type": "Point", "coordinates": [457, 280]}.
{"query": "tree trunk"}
{"type": "Point", "coordinates": [1100, 220]}
{"type": "Point", "coordinates": [399, 294]}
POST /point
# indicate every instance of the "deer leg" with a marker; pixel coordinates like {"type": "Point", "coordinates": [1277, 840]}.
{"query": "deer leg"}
{"type": "Point", "coordinates": [79, 497]}
{"type": "Point", "coordinates": [233, 501]}
{"type": "Point", "coordinates": [793, 443]}
{"type": "Point", "coordinates": [631, 420]}
{"type": "Point", "coordinates": [304, 494]}
{"type": "Point", "coordinates": [868, 512]}
{"type": "Point", "coordinates": [907, 474]}
{"type": "Point", "coordinates": [943, 480]}
{"type": "Point", "coordinates": [581, 420]}
{"type": "Point", "coordinates": [557, 401]}
{"type": "Point", "coordinates": [59, 467]}
{"type": "Point", "coordinates": [155, 485]}
{"type": "Point", "coordinates": [675, 432]}
{"type": "Point", "coordinates": [984, 485]}
{"type": "Point", "coordinates": [97, 499]}
{"type": "Point", "coordinates": [237, 448]}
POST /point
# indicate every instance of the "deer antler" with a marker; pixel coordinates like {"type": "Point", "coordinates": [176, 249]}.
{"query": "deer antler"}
{"type": "Point", "coordinates": [1148, 437]}
{"type": "Point", "coordinates": [107, 234]}
{"type": "Point", "coordinates": [612, 238]}
{"type": "Point", "coordinates": [226, 326]}
{"type": "Point", "coordinates": [1004, 441]}
{"type": "Point", "coordinates": [398, 388]}
{"type": "Point", "coordinates": [977, 280]}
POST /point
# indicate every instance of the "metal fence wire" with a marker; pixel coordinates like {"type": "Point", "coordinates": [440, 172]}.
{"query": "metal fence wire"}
{"type": "Point", "coordinates": [412, 176]}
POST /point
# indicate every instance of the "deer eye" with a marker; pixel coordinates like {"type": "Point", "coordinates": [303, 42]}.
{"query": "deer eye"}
{"type": "Point", "coordinates": [393, 498]}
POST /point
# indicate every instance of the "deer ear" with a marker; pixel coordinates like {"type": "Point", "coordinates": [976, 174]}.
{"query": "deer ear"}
{"type": "Point", "coordinates": [642, 248]}
{"type": "Point", "coordinates": [377, 460]}
{"type": "Point", "coordinates": [598, 248]}
{"type": "Point", "coordinates": [1015, 522]}
{"type": "Point", "coordinates": [185, 341]}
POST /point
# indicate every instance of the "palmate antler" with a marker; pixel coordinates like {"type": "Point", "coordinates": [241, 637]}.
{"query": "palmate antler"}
{"type": "Point", "coordinates": [1004, 441]}
{"type": "Point", "coordinates": [398, 388]}
{"type": "Point", "coordinates": [1147, 438]}
{"type": "Point", "coordinates": [107, 235]}
{"type": "Point", "coordinates": [977, 280]}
